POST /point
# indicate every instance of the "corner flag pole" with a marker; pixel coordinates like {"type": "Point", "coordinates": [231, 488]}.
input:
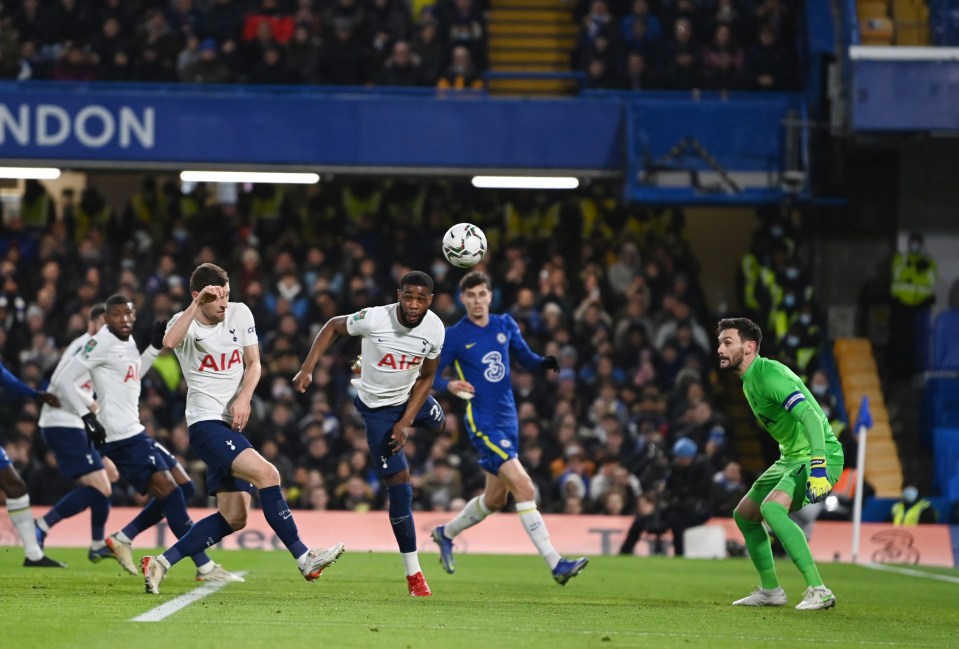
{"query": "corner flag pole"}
{"type": "Point", "coordinates": [863, 424]}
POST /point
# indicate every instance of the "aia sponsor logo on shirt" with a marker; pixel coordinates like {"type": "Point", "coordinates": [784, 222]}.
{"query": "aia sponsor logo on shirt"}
{"type": "Point", "coordinates": [211, 363]}
{"type": "Point", "coordinates": [403, 362]}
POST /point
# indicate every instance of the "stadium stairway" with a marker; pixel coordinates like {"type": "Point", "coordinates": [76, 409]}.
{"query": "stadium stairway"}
{"type": "Point", "coordinates": [893, 22]}
{"type": "Point", "coordinates": [531, 36]}
{"type": "Point", "coordinates": [859, 376]}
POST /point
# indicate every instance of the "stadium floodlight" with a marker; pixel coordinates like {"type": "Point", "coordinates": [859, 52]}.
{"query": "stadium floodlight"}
{"type": "Point", "coordinates": [30, 173]}
{"type": "Point", "coordinates": [525, 182]}
{"type": "Point", "coordinates": [276, 177]}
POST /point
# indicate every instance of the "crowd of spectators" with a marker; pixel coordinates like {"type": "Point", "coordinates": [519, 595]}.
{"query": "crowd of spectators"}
{"type": "Point", "coordinates": [722, 45]}
{"type": "Point", "coordinates": [330, 42]}
{"type": "Point", "coordinates": [611, 290]}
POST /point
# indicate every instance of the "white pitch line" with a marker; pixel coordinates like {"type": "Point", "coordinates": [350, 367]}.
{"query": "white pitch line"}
{"type": "Point", "coordinates": [910, 572]}
{"type": "Point", "coordinates": [167, 609]}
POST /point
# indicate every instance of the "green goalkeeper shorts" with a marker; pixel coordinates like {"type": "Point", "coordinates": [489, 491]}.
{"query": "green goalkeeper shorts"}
{"type": "Point", "coordinates": [791, 476]}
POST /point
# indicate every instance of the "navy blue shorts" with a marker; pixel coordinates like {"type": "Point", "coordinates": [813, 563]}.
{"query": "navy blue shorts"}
{"type": "Point", "coordinates": [379, 426]}
{"type": "Point", "coordinates": [218, 445]}
{"type": "Point", "coordinates": [75, 456]}
{"type": "Point", "coordinates": [5, 460]}
{"type": "Point", "coordinates": [137, 458]}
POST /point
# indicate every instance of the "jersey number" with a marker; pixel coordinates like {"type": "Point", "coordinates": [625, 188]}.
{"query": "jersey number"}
{"type": "Point", "coordinates": [495, 370]}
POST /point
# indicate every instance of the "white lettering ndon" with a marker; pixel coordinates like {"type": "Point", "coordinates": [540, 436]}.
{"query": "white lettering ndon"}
{"type": "Point", "coordinates": [92, 126]}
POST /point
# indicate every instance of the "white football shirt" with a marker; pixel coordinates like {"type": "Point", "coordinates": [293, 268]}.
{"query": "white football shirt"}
{"type": "Point", "coordinates": [211, 358]}
{"type": "Point", "coordinates": [115, 366]}
{"type": "Point", "coordinates": [65, 416]}
{"type": "Point", "coordinates": [391, 353]}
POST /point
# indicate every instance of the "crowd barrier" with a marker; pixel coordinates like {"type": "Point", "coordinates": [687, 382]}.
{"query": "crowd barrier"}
{"type": "Point", "coordinates": [932, 545]}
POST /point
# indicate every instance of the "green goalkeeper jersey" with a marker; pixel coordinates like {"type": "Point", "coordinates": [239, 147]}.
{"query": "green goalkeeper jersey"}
{"type": "Point", "coordinates": [780, 401]}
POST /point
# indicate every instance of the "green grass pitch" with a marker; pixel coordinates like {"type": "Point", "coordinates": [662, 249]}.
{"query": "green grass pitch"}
{"type": "Point", "coordinates": [492, 602]}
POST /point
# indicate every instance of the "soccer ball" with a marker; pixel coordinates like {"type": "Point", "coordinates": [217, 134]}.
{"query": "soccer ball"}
{"type": "Point", "coordinates": [464, 245]}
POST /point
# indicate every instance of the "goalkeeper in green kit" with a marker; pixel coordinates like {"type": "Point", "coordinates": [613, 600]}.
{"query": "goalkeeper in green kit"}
{"type": "Point", "coordinates": [810, 462]}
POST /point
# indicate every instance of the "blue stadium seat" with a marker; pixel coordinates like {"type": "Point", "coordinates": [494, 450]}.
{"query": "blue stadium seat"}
{"type": "Point", "coordinates": [945, 346]}
{"type": "Point", "coordinates": [946, 458]}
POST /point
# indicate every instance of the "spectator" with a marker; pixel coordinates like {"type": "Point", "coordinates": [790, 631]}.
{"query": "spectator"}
{"type": "Point", "coordinates": [681, 58]}
{"type": "Point", "coordinates": [402, 67]}
{"type": "Point", "coordinates": [652, 27]}
{"type": "Point", "coordinates": [429, 50]}
{"type": "Point", "coordinates": [207, 68]}
{"type": "Point", "coordinates": [722, 62]}
{"type": "Point", "coordinates": [303, 54]}
{"type": "Point", "coordinates": [914, 275]}
{"type": "Point", "coordinates": [461, 73]}
{"type": "Point", "coordinates": [911, 510]}
{"type": "Point", "coordinates": [273, 69]}
{"type": "Point", "coordinates": [344, 58]}
{"type": "Point", "coordinates": [768, 65]}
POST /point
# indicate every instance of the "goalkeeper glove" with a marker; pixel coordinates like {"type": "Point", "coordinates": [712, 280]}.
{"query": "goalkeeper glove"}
{"type": "Point", "coordinates": [96, 433]}
{"type": "Point", "coordinates": [550, 363]}
{"type": "Point", "coordinates": [817, 487]}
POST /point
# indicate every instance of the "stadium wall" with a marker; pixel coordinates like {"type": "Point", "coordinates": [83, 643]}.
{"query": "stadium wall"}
{"type": "Point", "coordinates": [932, 545]}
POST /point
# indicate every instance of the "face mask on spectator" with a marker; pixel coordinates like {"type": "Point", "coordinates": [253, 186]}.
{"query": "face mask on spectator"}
{"type": "Point", "coordinates": [910, 494]}
{"type": "Point", "coordinates": [819, 389]}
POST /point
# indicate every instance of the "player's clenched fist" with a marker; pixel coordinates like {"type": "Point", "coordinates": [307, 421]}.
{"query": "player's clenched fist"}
{"type": "Point", "coordinates": [302, 380]}
{"type": "Point", "coordinates": [210, 294]}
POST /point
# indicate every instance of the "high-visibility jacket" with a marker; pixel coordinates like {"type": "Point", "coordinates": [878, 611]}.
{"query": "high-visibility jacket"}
{"type": "Point", "coordinates": [913, 278]}
{"type": "Point", "coordinates": [909, 517]}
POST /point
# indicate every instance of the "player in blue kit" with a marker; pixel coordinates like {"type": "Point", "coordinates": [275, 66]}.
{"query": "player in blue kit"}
{"type": "Point", "coordinates": [478, 347]}
{"type": "Point", "coordinates": [11, 484]}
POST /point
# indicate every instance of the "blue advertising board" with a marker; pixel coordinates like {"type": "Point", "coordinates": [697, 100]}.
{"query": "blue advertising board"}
{"type": "Point", "coordinates": [228, 126]}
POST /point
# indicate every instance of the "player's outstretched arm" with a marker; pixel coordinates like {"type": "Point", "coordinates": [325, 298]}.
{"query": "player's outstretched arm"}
{"type": "Point", "coordinates": [334, 328]}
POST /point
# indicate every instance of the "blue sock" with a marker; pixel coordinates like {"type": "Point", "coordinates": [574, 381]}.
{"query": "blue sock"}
{"type": "Point", "coordinates": [280, 518]}
{"type": "Point", "coordinates": [174, 508]}
{"type": "Point", "coordinates": [188, 489]}
{"type": "Point", "coordinates": [72, 504]}
{"type": "Point", "coordinates": [201, 558]}
{"type": "Point", "coordinates": [401, 516]}
{"type": "Point", "coordinates": [202, 535]}
{"type": "Point", "coordinates": [99, 510]}
{"type": "Point", "coordinates": [150, 515]}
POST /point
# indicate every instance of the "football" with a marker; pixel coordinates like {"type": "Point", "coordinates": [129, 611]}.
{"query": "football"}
{"type": "Point", "coordinates": [464, 245]}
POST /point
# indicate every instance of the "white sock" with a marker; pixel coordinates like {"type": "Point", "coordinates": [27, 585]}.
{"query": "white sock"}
{"type": "Point", "coordinates": [123, 538]}
{"type": "Point", "coordinates": [302, 559]}
{"type": "Point", "coordinates": [22, 517]}
{"type": "Point", "coordinates": [411, 562]}
{"type": "Point", "coordinates": [206, 568]}
{"type": "Point", "coordinates": [163, 561]}
{"type": "Point", "coordinates": [474, 512]}
{"type": "Point", "coordinates": [41, 522]}
{"type": "Point", "coordinates": [97, 544]}
{"type": "Point", "coordinates": [536, 528]}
